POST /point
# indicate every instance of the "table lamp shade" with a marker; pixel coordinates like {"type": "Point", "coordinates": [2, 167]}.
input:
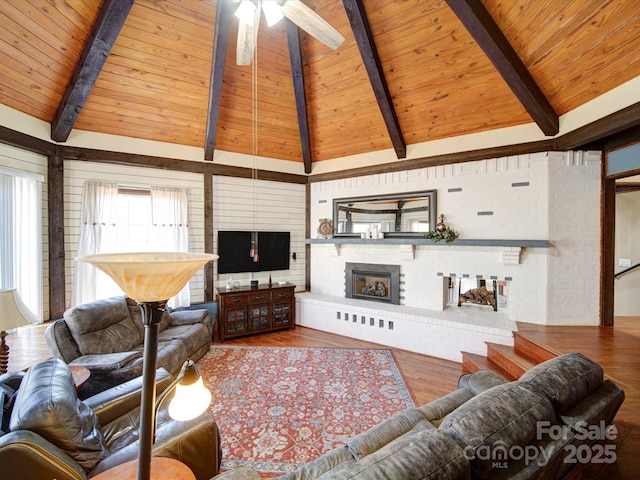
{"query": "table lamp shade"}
{"type": "Point", "coordinates": [14, 313]}
{"type": "Point", "coordinates": [149, 277]}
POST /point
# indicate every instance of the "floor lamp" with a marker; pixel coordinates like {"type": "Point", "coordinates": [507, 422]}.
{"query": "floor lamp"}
{"type": "Point", "coordinates": [150, 279]}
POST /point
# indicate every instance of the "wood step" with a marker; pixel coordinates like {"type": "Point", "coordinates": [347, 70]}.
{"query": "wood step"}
{"type": "Point", "coordinates": [472, 362]}
{"type": "Point", "coordinates": [508, 359]}
{"type": "Point", "coordinates": [530, 349]}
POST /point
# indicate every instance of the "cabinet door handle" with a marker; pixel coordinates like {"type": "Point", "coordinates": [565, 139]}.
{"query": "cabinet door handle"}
{"type": "Point", "coordinates": [235, 300]}
{"type": "Point", "coordinates": [259, 297]}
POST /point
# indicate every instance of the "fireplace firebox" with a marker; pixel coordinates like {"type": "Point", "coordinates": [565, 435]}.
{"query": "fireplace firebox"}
{"type": "Point", "coordinates": [372, 281]}
{"type": "Point", "coordinates": [477, 292]}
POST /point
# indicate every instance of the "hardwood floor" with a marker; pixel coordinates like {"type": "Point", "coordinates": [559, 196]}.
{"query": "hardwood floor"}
{"type": "Point", "coordinates": [27, 347]}
{"type": "Point", "coordinates": [616, 349]}
{"type": "Point", "coordinates": [428, 378]}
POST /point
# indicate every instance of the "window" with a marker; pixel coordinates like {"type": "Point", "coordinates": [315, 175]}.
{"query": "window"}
{"type": "Point", "coordinates": [131, 234]}
{"type": "Point", "coordinates": [118, 219]}
{"type": "Point", "coordinates": [134, 225]}
{"type": "Point", "coordinates": [21, 236]}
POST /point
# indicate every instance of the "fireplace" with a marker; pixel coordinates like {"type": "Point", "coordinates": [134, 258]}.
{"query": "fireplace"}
{"type": "Point", "coordinates": [372, 281]}
{"type": "Point", "coordinates": [477, 292]}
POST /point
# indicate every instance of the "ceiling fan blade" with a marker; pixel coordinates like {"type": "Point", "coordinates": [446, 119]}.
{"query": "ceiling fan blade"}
{"type": "Point", "coordinates": [246, 44]}
{"type": "Point", "coordinates": [312, 23]}
{"type": "Point", "coordinates": [247, 39]}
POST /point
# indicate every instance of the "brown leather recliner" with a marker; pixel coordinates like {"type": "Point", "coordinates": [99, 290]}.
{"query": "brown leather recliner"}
{"type": "Point", "coordinates": [47, 432]}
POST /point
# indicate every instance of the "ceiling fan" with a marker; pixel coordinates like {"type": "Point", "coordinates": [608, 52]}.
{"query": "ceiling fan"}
{"type": "Point", "coordinates": [274, 10]}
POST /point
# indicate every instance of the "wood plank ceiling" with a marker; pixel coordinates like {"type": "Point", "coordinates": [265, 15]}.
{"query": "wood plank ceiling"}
{"type": "Point", "coordinates": [409, 71]}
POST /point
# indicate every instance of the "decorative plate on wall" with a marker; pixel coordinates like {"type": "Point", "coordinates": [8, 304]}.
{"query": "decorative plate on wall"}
{"type": "Point", "coordinates": [325, 229]}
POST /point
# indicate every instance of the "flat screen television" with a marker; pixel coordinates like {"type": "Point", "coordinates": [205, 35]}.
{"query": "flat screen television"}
{"type": "Point", "coordinates": [234, 247]}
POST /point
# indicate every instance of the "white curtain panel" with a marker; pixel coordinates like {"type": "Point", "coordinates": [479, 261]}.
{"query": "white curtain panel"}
{"type": "Point", "coordinates": [7, 216]}
{"type": "Point", "coordinates": [28, 238]}
{"type": "Point", "coordinates": [170, 229]}
{"type": "Point", "coordinates": [21, 237]}
{"type": "Point", "coordinates": [97, 235]}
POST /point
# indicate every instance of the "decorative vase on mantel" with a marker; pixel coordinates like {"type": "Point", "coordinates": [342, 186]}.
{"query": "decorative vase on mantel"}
{"type": "Point", "coordinates": [441, 227]}
{"type": "Point", "coordinates": [442, 231]}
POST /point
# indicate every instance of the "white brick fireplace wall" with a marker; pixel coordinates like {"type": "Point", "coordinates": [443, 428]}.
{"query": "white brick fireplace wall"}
{"type": "Point", "coordinates": [549, 196]}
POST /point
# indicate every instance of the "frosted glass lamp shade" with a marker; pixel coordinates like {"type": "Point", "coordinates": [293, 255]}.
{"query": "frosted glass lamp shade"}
{"type": "Point", "coordinates": [189, 401]}
{"type": "Point", "coordinates": [150, 277]}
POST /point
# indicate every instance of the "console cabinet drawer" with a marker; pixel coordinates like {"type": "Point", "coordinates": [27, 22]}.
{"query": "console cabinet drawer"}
{"type": "Point", "coordinates": [282, 295]}
{"type": "Point", "coordinates": [259, 297]}
{"type": "Point", "coordinates": [235, 300]}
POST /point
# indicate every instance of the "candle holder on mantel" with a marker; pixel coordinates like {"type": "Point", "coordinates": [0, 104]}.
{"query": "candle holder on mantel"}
{"type": "Point", "coordinates": [442, 232]}
{"type": "Point", "coordinates": [150, 279]}
{"type": "Point", "coordinates": [441, 226]}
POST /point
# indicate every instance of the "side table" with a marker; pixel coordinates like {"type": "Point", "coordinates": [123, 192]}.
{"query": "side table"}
{"type": "Point", "coordinates": [80, 376]}
{"type": "Point", "coordinates": [162, 468]}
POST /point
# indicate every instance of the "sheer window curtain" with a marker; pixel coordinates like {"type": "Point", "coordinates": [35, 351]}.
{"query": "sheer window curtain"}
{"type": "Point", "coordinates": [97, 235]}
{"type": "Point", "coordinates": [7, 242]}
{"type": "Point", "coordinates": [170, 229]}
{"type": "Point", "coordinates": [21, 237]}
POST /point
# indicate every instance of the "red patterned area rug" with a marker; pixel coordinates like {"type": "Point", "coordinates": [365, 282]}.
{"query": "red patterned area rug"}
{"type": "Point", "coordinates": [279, 407]}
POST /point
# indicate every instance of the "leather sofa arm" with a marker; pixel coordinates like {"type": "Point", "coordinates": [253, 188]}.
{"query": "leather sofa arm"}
{"type": "Point", "coordinates": [189, 317]}
{"type": "Point", "coordinates": [106, 362]}
{"type": "Point", "coordinates": [26, 455]}
{"type": "Point", "coordinates": [469, 385]}
{"type": "Point", "coordinates": [196, 443]}
{"type": "Point", "coordinates": [480, 381]}
{"type": "Point", "coordinates": [240, 473]}
{"type": "Point", "coordinates": [12, 379]}
{"type": "Point", "coordinates": [60, 342]}
{"type": "Point", "coordinates": [116, 401]}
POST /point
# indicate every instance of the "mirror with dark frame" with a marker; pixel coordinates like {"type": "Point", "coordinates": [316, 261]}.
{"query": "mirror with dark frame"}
{"type": "Point", "coordinates": [395, 215]}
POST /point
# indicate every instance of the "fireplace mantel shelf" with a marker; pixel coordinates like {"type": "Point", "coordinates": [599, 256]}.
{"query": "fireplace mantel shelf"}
{"type": "Point", "coordinates": [510, 254]}
{"type": "Point", "coordinates": [460, 242]}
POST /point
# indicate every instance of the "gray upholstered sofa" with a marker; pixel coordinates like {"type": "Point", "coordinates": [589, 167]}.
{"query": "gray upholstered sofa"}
{"type": "Point", "coordinates": [487, 428]}
{"type": "Point", "coordinates": [106, 336]}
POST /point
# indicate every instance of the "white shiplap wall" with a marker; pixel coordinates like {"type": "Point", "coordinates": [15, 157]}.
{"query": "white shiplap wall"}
{"type": "Point", "coordinates": [247, 204]}
{"type": "Point", "coordinates": [22, 160]}
{"type": "Point", "coordinates": [77, 172]}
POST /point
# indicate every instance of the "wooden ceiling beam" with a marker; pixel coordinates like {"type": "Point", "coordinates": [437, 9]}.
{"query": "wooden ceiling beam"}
{"type": "Point", "coordinates": [478, 22]}
{"type": "Point", "coordinates": [295, 56]}
{"type": "Point", "coordinates": [104, 33]}
{"type": "Point", "coordinates": [613, 124]}
{"type": "Point", "coordinates": [627, 187]}
{"type": "Point", "coordinates": [26, 142]}
{"type": "Point", "coordinates": [223, 21]}
{"type": "Point", "coordinates": [364, 38]}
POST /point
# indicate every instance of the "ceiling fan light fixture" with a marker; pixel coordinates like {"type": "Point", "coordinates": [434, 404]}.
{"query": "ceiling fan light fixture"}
{"type": "Point", "coordinates": [272, 12]}
{"type": "Point", "coordinates": [246, 12]}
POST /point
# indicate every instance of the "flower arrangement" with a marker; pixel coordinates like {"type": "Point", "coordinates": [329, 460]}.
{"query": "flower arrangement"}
{"type": "Point", "coordinates": [442, 232]}
{"type": "Point", "coordinates": [448, 235]}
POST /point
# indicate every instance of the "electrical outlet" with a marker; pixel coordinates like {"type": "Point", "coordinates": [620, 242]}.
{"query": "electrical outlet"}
{"type": "Point", "coordinates": [624, 262]}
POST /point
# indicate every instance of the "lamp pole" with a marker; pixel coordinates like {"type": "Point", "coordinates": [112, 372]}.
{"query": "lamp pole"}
{"type": "Point", "coordinates": [147, 277]}
{"type": "Point", "coordinates": [151, 316]}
